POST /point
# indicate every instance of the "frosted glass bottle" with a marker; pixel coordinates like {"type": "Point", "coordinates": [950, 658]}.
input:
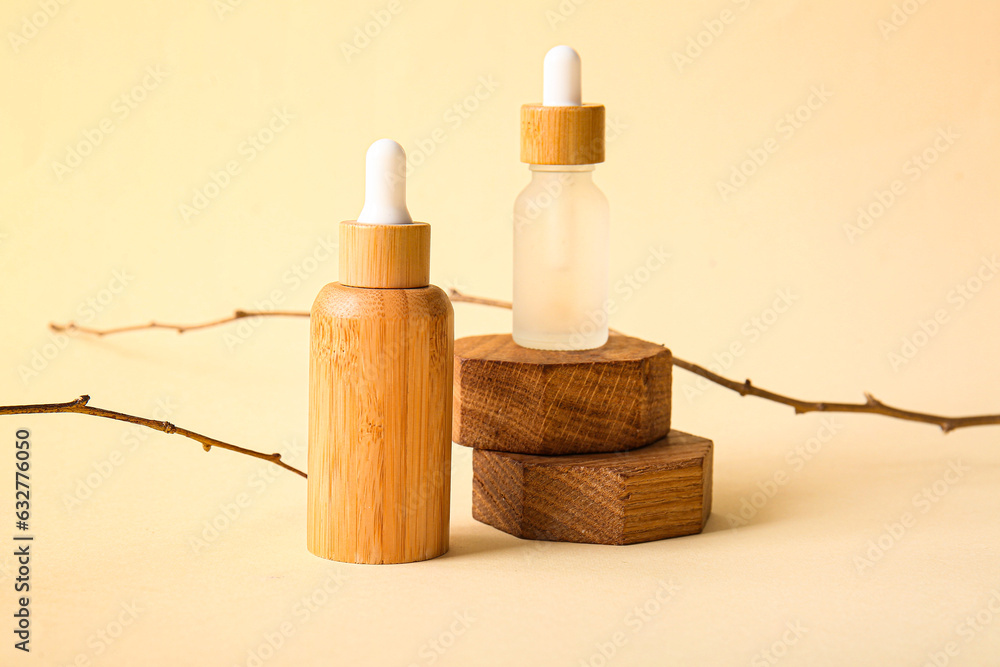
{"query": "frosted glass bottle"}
{"type": "Point", "coordinates": [561, 236]}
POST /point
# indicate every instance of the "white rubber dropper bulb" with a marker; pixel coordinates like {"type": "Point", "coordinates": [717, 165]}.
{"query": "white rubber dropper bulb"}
{"type": "Point", "coordinates": [561, 78]}
{"type": "Point", "coordinates": [385, 185]}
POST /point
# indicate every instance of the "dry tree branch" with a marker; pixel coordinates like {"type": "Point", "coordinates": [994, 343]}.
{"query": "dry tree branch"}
{"type": "Point", "coordinates": [455, 295]}
{"type": "Point", "coordinates": [80, 406]}
{"type": "Point", "coordinates": [459, 297]}
{"type": "Point", "coordinates": [179, 328]}
{"type": "Point", "coordinates": [871, 405]}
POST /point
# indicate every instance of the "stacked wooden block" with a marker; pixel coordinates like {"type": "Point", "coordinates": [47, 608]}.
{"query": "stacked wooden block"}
{"type": "Point", "coordinates": [576, 446]}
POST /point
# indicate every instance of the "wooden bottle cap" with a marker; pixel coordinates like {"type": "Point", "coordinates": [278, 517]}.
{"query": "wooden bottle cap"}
{"type": "Point", "coordinates": [385, 256]}
{"type": "Point", "coordinates": [562, 135]}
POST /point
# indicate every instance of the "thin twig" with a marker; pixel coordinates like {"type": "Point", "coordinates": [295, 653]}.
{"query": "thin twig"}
{"type": "Point", "coordinates": [455, 295]}
{"type": "Point", "coordinates": [179, 328]}
{"type": "Point", "coordinates": [871, 405]}
{"type": "Point", "coordinates": [459, 297]}
{"type": "Point", "coordinates": [80, 406]}
{"type": "Point", "coordinates": [746, 388]}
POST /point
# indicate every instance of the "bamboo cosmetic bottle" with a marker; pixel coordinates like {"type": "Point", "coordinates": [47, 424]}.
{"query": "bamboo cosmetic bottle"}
{"type": "Point", "coordinates": [380, 386]}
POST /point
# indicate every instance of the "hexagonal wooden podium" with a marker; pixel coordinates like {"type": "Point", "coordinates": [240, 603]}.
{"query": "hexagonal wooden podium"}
{"type": "Point", "coordinates": [576, 446]}
{"type": "Point", "coordinates": [514, 399]}
{"type": "Point", "coordinates": [651, 493]}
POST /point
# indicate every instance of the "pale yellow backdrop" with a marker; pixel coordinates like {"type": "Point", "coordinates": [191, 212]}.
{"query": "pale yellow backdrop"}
{"type": "Point", "coordinates": [179, 160]}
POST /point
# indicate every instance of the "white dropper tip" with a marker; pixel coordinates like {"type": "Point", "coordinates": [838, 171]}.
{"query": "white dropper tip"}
{"type": "Point", "coordinates": [385, 185]}
{"type": "Point", "coordinates": [561, 78]}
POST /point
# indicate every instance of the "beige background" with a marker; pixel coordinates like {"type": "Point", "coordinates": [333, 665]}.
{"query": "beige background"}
{"type": "Point", "coordinates": [679, 129]}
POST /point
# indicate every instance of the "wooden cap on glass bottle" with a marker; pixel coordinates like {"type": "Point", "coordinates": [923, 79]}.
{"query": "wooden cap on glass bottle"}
{"type": "Point", "coordinates": [562, 135]}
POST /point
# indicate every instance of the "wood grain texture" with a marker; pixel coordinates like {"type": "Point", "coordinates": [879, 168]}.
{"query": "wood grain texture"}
{"type": "Point", "coordinates": [659, 491]}
{"type": "Point", "coordinates": [562, 135]}
{"type": "Point", "coordinates": [380, 382]}
{"type": "Point", "coordinates": [385, 256]}
{"type": "Point", "coordinates": [515, 399]}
